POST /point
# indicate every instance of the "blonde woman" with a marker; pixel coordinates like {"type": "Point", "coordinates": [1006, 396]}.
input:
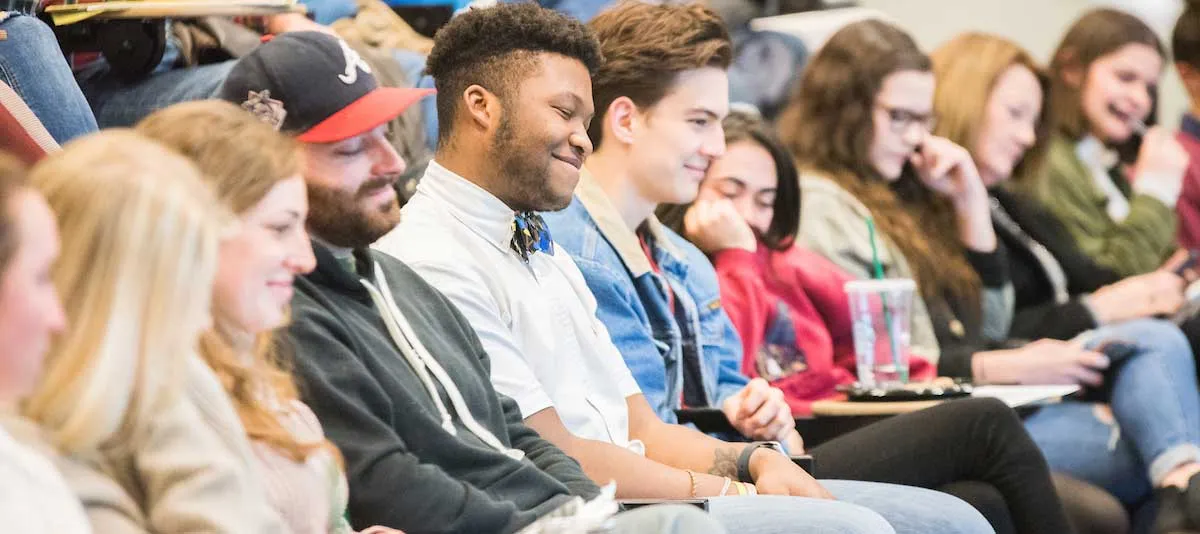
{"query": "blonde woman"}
{"type": "Point", "coordinates": [152, 444]}
{"type": "Point", "coordinates": [255, 171]}
{"type": "Point", "coordinates": [34, 498]}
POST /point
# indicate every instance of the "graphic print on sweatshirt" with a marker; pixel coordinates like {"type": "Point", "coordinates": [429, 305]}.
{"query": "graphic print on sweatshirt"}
{"type": "Point", "coordinates": [779, 355]}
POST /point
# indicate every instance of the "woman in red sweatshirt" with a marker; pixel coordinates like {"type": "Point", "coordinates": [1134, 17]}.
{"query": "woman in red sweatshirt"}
{"type": "Point", "coordinates": [787, 303]}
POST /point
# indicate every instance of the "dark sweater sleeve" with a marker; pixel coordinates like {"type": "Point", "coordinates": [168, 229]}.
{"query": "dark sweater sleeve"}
{"type": "Point", "coordinates": [1054, 321]}
{"type": "Point", "coordinates": [991, 266]}
{"type": "Point", "coordinates": [357, 417]}
{"type": "Point", "coordinates": [545, 455]}
{"type": "Point", "coordinates": [955, 361]}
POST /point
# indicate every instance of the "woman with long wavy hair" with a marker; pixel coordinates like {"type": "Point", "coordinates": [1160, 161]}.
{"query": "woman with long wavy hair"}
{"type": "Point", "coordinates": [255, 172]}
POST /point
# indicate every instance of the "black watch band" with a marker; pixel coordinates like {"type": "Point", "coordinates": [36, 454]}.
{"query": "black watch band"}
{"type": "Point", "coordinates": [743, 462]}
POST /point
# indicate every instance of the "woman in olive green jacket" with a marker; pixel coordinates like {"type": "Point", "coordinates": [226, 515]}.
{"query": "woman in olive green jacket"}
{"type": "Point", "coordinates": [1104, 75]}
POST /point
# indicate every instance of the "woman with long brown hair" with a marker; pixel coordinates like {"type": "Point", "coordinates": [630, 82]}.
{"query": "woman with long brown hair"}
{"type": "Point", "coordinates": [859, 127]}
{"type": "Point", "coordinates": [255, 172]}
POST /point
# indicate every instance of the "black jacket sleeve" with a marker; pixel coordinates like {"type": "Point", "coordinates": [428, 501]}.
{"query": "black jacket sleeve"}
{"type": "Point", "coordinates": [1054, 321]}
{"type": "Point", "coordinates": [992, 267]}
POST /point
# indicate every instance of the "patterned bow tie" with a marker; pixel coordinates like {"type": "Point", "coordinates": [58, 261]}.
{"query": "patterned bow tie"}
{"type": "Point", "coordinates": [530, 235]}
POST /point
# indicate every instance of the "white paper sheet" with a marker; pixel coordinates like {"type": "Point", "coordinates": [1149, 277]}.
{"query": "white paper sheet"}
{"type": "Point", "coordinates": [1016, 396]}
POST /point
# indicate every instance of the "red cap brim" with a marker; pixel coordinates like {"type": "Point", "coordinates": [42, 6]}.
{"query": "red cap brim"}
{"type": "Point", "coordinates": [375, 108]}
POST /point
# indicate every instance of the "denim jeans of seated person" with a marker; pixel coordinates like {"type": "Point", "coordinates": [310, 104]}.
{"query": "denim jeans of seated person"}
{"type": "Point", "coordinates": [666, 519]}
{"type": "Point", "coordinates": [33, 65]}
{"type": "Point", "coordinates": [120, 103]}
{"type": "Point", "coordinates": [860, 508]}
{"type": "Point", "coordinates": [1153, 425]}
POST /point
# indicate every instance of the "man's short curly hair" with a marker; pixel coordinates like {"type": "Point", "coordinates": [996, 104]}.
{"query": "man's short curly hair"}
{"type": "Point", "coordinates": [495, 47]}
{"type": "Point", "coordinates": [646, 46]}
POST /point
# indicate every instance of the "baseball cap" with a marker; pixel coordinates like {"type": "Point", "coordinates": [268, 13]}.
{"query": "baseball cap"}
{"type": "Point", "coordinates": [314, 85]}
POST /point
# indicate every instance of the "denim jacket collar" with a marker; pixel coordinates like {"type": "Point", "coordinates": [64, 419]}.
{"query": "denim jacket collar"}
{"type": "Point", "coordinates": [623, 238]}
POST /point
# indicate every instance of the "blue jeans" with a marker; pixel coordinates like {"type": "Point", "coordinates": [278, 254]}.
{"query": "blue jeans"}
{"type": "Point", "coordinates": [862, 507]}
{"type": "Point", "coordinates": [666, 519]}
{"type": "Point", "coordinates": [33, 65]}
{"type": "Point", "coordinates": [1156, 416]}
{"type": "Point", "coordinates": [117, 102]}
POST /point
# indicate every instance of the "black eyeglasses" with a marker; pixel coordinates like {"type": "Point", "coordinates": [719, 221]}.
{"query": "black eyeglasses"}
{"type": "Point", "coordinates": [901, 119]}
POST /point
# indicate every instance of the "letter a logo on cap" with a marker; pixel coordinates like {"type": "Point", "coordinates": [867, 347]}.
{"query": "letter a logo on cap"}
{"type": "Point", "coordinates": [353, 63]}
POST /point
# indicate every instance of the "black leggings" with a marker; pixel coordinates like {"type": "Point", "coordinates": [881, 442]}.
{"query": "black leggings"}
{"type": "Point", "coordinates": [970, 448]}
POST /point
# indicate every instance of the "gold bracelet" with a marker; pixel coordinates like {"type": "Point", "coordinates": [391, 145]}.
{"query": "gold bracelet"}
{"type": "Point", "coordinates": [692, 477]}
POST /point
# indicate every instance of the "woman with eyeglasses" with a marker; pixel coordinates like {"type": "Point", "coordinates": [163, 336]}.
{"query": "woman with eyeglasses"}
{"type": "Point", "coordinates": [859, 128]}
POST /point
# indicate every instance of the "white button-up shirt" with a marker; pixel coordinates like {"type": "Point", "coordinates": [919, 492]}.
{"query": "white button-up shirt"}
{"type": "Point", "coordinates": [536, 321]}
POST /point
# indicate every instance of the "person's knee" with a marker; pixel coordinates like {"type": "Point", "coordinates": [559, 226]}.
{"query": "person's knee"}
{"type": "Point", "coordinates": [28, 29]}
{"type": "Point", "coordinates": [35, 40]}
{"type": "Point", "coordinates": [1157, 334]}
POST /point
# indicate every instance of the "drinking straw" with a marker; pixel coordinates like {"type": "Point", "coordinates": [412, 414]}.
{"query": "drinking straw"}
{"type": "Point", "coordinates": [887, 312]}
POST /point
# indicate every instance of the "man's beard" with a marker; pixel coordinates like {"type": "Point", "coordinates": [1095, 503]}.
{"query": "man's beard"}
{"type": "Point", "coordinates": [340, 218]}
{"type": "Point", "coordinates": [527, 176]}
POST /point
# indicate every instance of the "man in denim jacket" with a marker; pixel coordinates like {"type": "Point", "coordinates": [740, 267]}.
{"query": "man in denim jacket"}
{"type": "Point", "coordinates": [663, 315]}
{"type": "Point", "coordinates": [657, 129]}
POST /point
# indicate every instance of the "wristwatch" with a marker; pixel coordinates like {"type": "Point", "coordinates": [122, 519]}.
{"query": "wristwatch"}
{"type": "Point", "coordinates": [743, 462]}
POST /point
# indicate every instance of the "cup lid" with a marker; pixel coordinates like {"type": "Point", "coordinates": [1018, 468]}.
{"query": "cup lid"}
{"type": "Point", "coordinates": [886, 284]}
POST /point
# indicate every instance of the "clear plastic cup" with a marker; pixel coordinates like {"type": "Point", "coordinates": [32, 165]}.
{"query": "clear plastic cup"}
{"type": "Point", "coordinates": [881, 314]}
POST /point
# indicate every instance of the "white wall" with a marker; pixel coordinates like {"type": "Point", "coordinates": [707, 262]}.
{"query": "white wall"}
{"type": "Point", "coordinates": [1035, 24]}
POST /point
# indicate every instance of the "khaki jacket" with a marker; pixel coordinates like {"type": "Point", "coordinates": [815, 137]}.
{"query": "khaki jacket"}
{"type": "Point", "coordinates": [194, 471]}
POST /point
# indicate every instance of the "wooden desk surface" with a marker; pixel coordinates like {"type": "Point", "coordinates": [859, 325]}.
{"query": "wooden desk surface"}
{"type": "Point", "coordinates": [834, 408]}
